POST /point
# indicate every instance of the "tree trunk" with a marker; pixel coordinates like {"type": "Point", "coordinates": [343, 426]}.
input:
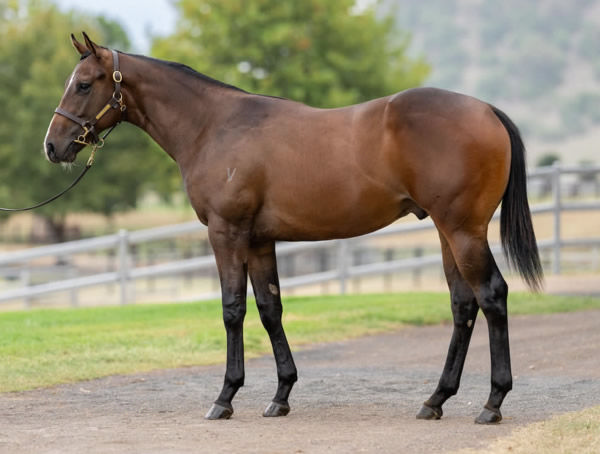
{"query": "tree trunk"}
{"type": "Point", "coordinates": [51, 230]}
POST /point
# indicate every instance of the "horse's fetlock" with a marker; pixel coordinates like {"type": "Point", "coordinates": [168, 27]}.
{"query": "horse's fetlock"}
{"type": "Point", "coordinates": [447, 391]}
{"type": "Point", "coordinates": [235, 381]}
{"type": "Point", "coordinates": [288, 377]}
{"type": "Point", "coordinates": [503, 385]}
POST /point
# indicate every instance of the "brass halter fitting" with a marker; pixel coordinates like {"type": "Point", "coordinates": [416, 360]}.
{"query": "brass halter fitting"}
{"type": "Point", "coordinates": [82, 138]}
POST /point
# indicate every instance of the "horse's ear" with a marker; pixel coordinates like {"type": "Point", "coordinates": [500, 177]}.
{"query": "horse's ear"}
{"type": "Point", "coordinates": [90, 45]}
{"type": "Point", "coordinates": [77, 45]}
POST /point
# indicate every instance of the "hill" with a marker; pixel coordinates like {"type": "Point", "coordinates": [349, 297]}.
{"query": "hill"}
{"type": "Point", "coordinates": [537, 60]}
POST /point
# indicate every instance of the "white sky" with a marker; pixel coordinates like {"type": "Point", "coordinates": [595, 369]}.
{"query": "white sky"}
{"type": "Point", "coordinates": [140, 18]}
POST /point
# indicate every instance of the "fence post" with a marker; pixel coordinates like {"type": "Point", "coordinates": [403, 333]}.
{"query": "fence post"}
{"type": "Point", "coordinates": [25, 277]}
{"type": "Point", "coordinates": [123, 263]}
{"type": "Point", "coordinates": [556, 210]}
{"type": "Point", "coordinates": [72, 273]}
{"type": "Point", "coordinates": [343, 264]}
{"type": "Point", "coordinates": [388, 279]}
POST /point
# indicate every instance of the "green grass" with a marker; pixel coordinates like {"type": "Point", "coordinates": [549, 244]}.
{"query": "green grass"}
{"type": "Point", "coordinates": [45, 347]}
{"type": "Point", "coordinates": [562, 434]}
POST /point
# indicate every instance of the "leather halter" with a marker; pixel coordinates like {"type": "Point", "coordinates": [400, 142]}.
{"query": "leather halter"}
{"type": "Point", "coordinates": [115, 102]}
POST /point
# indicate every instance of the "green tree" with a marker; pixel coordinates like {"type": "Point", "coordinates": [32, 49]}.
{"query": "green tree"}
{"type": "Point", "coordinates": [321, 52]}
{"type": "Point", "coordinates": [547, 159]}
{"type": "Point", "coordinates": [36, 58]}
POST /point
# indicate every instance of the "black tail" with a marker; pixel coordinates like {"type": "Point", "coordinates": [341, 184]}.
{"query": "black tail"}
{"type": "Point", "coordinates": [516, 229]}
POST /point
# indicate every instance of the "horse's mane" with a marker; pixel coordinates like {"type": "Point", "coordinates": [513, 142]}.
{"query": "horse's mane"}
{"type": "Point", "coordinates": [189, 71]}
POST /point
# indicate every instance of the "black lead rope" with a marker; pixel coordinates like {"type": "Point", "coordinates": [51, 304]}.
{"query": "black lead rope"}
{"type": "Point", "coordinates": [52, 199]}
{"type": "Point", "coordinates": [88, 165]}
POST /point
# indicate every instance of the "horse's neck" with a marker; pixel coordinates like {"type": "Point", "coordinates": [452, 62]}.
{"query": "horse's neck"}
{"type": "Point", "coordinates": [174, 108]}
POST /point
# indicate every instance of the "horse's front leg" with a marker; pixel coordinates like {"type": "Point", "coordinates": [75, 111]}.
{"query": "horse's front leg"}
{"type": "Point", "coordinates": [262, 267]}
{"type": "Point", "coordinates": [231, 252]}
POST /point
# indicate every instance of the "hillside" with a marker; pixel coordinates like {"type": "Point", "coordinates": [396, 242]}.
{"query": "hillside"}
{"type": "Point", "coordinates": [537, 60]}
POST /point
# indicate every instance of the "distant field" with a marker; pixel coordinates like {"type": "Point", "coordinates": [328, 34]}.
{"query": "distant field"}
{"type": "Point", "coordinates": [45, 347]}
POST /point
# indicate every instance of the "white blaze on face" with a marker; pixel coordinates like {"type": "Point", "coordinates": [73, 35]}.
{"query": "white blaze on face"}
{"type": "Point", "coordinates": [71, 80]}
{"type": "Point", "coordinates": [46, 137]}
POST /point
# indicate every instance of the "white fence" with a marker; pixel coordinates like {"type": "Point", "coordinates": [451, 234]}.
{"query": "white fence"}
{"type": "Point", "coordinates": [125, 273]}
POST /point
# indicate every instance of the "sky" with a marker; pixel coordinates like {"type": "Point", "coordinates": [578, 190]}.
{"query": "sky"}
{"type": "Point", "coordinates": [156, 17]}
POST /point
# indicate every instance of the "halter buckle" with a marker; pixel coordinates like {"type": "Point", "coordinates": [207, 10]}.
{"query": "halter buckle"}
{"type": "Point", "coordinates": [82, 138]}
{"type": "Point", "coordinates": [117, 77]}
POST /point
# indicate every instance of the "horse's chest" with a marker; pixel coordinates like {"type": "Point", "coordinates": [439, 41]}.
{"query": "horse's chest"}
{"type": "Point", "coordinates": [227, 193]}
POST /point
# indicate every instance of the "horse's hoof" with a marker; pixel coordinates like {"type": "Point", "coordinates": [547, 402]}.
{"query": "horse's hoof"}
{"type": "Point", "coordinates": [218, 411]}
{"type": "Point", "coordinates": [431, 413]}
{"type": "Point", "coordinates": [488, 416]}
{"type": "Point", "coordinates": [276, 409]}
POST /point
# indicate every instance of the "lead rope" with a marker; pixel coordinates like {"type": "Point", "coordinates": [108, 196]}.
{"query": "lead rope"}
{"type": "Point", "coordinates": [88, 165]}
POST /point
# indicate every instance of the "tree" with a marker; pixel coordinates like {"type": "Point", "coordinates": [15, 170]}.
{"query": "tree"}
{"type": "Point", "coordinates": [321, 52]}
{"type": "Point", "coordinates": [36, 58]}
{"type": "Point", "coordinates": [547, 159]}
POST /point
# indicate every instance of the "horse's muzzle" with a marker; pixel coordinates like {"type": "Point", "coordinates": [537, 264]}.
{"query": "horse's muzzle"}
{"type": "Point", "coordinates": [51, 152]}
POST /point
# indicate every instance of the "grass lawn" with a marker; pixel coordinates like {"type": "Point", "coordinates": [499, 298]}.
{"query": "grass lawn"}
{"type": "Point", "coordinates": [563, 434]}
{"type": "Point", "coordinates": [46, 347]}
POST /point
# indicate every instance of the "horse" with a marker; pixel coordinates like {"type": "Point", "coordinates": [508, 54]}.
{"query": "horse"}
{"type": "Point", "coordinates": [259, 169]}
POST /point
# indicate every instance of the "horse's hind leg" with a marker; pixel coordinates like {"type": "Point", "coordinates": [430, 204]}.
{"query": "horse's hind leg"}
{"type": "Point", "coordinates": [476, 264]}
{"type": "Point", "coordinates": [262, 267]}
{"type": "Point", "coordinates": [464, 311]}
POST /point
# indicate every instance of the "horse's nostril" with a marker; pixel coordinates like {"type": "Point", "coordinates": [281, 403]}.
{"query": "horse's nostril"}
{"type": "Point", "coordinates": [50, 151]}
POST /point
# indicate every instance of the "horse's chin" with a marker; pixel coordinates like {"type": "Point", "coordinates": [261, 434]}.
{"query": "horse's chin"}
{"type": "Point", "coordinates": [70, 153]}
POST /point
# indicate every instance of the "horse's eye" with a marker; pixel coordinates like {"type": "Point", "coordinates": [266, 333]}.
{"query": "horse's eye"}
{"type": "Point", "coordinates": [83, 87]}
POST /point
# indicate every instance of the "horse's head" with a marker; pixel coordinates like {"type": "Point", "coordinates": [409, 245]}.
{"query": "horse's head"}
{"type": "Point", "coordinates": [92, 102]}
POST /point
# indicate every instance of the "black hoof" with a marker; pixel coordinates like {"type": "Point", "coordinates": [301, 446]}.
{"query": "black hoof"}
{"type": "Point", "coordinates": [488, 416]}
{"type": "Point", "coordinates": [218, 411]}
{"type": "Point", "coordinates": [427, 412]}
{"type": "Point", "coordinates": [276, 409]}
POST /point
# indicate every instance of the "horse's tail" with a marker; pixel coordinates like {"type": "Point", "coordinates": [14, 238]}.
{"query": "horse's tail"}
{"type": "Point", "coordinates": [516, 228]}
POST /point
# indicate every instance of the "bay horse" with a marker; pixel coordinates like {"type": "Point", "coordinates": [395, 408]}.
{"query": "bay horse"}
{"type": "Point", "coordinates": [260, 169]}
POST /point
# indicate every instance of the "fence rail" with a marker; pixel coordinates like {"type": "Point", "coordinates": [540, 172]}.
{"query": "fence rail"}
{"type": "Point", "coordinates": [122, 243]}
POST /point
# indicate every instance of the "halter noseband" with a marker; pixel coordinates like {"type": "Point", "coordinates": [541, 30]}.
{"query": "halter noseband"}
{"type": "Point", "coordinates": [115, 102]}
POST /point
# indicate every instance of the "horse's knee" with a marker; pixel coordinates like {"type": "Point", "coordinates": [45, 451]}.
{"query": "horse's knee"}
{"type": "Point", "coordinates": [234, 312]}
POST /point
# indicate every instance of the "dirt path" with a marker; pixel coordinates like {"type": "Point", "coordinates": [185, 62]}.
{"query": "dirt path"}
{"type": "Point", "coordinates": [354, 396]}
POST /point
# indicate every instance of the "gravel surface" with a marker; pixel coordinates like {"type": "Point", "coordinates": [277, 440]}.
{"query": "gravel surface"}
{"type": "Point", "coordinates": [354, 396]}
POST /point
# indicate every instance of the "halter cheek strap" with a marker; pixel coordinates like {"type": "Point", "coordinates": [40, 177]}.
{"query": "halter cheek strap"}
{"type": "Point", "coordinates": [115, 102]}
